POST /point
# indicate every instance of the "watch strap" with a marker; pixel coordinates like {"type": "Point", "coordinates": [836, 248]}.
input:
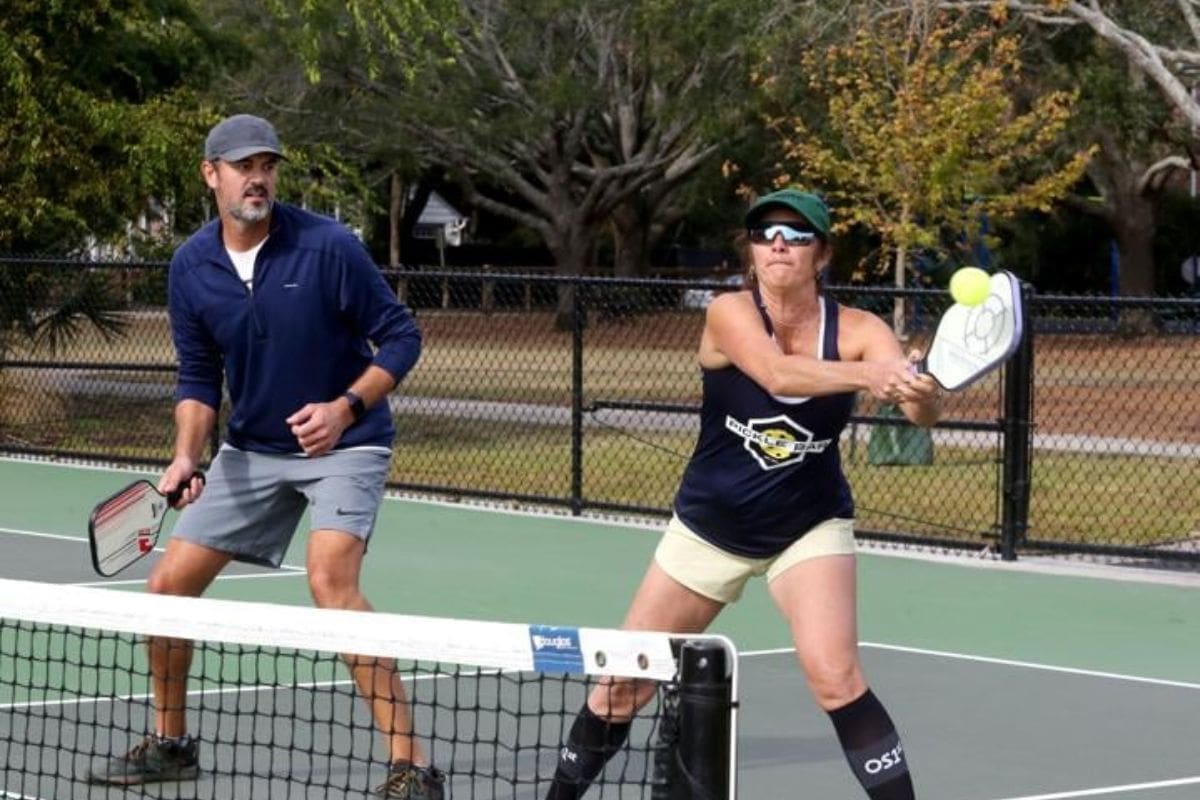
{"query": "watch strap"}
{"type": "Point", "coordinates": [357, 408]}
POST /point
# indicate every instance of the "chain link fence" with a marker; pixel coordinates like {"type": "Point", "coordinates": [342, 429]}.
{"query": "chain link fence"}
{"type": "Point", "coordinates": [1116, 427]}
{"type": "Point", "coordinates": [583, 393]}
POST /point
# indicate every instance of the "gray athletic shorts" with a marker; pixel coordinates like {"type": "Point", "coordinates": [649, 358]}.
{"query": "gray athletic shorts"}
{"type": "Point", "coordinates": [253, 502]}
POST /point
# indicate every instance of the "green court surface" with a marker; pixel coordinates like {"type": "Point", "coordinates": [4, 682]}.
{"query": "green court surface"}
{"type": "Point", "coordinates": [1007, 682]}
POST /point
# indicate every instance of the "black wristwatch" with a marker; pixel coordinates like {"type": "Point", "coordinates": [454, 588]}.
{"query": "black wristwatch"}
{"type": "Point", "coordinates": [357, 409]}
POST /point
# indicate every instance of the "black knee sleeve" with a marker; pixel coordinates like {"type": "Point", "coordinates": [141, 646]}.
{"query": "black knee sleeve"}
{"type": "Point", "coordinates": [591, 743]}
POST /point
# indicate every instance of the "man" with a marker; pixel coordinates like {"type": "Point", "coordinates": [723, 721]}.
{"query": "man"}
{"type": "Point", "coordinates": [282, 305]}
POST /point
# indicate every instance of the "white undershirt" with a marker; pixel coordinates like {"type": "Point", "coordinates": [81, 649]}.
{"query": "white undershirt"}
{"type": "Point", "coordinates": [820, 354]}
{"type": "Point", "coordinates": [243, 262]}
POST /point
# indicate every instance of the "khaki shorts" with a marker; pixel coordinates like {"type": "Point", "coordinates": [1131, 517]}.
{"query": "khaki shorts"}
{"type": "Point", "coordinates": [720, 575]}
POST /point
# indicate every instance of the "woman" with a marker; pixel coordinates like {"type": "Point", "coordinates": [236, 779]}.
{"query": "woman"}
{"type": "Point", "coordinates": [764, 492]}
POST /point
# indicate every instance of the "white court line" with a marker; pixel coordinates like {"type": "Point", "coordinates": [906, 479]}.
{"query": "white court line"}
{"type": "Point", "coordinates": [242, 689]}
{"type": "Point", "coordinates": [40, 535]}
{"type": "Point", "coordinates": [1129, 787]}
{"type": "Point", "coordinates": [640, 523]}
{"type": "Point", "coordinates": [1004, 662]}
{"type": "Point", "coordinates": [284, 571]}
{"type": "Point", "coordinates": [125, 698]}
{"type": "Point", "coordinates": [91, 465]}
{"type": "Point", "coordinates": [1067, 795]}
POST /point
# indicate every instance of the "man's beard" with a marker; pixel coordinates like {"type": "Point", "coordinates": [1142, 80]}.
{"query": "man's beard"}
{"type": "Point", "coordinates": [251, 213]}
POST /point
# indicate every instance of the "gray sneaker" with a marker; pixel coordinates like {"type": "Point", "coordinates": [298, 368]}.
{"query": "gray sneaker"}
{"type": "Point", "coordinates": [407, 781]}
{"type": "Point", "coordinates": [150, 761]}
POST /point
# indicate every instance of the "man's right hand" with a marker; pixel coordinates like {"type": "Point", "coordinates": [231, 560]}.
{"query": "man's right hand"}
{"type": "Point", "coordinates": [182, 473]}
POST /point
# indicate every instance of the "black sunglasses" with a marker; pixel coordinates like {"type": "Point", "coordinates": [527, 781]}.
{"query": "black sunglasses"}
{"type": "Point", "coordinates": [793, 237]}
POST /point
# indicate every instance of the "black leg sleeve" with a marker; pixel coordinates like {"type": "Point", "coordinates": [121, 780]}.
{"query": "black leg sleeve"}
{"type": "Point", "coordinates": [873, 748]}
{"type": "Point", "coordinates": [591, 743]}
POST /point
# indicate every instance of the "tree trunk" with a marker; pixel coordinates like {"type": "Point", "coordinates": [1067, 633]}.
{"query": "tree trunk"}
{"type": "Point", "coordinates": [630, 242]}
{"type": "Point", "coordinates": [395, 219]}
{"type": "Point", "coordinates": [1134, 224]}
{"type": "Point", "coordinates": [1130, 213]}
{"type": "Point", "coordinates": [899, 323]}
{"type": "Point", "coordinates": [570, 251]}
{"type": "Point", "coordinates": [1135, 249]}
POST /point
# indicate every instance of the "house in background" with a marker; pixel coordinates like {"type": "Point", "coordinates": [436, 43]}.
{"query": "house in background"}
{"type": "Point", "coordinates": [441, 222]}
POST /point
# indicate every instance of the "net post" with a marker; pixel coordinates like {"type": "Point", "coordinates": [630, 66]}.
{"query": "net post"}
{"type": "Point", "coordinates": [704, 723]}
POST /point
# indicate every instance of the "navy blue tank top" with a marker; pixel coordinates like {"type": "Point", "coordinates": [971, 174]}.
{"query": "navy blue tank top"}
{"type": "Point", "coordinates": [766, 469]}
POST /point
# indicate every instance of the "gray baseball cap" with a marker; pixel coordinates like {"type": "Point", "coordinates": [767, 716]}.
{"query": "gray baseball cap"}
{"type": "Point", "coordinates": [241, 136]}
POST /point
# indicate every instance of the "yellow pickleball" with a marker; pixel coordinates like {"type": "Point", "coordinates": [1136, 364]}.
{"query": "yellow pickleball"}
{"type": "Point", "coordinates": [970, 286]}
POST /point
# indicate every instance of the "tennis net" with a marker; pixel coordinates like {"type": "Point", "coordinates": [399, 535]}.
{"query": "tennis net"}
{"type": "Point", "coordinates": [276, 713]}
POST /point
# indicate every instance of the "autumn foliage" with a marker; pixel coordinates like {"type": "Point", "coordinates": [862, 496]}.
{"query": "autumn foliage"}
{"type": "Point", "coordinates": [919, 132]}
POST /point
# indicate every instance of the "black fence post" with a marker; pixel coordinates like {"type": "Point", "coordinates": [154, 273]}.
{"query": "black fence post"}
{"type": "Point", "coordinates": [1018, 437]}
{"type": "Point", "coordinates": [578, 321]}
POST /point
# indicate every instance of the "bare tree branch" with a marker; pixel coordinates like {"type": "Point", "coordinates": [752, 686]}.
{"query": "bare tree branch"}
{"type": "Point", "coordinates": [1188, 8]}
{"type": "Point", "coordinates": [1152, 59]}
{"type": "Point", "coordinates": [1156, 173]}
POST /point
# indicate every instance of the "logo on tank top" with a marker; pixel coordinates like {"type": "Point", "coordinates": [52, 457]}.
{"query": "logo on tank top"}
{"type": "Point", "coordinates": [776, 441]}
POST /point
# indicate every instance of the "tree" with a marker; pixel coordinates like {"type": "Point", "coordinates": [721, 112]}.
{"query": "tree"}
{"type": "Point", "coordinates": [98, 101]}
{"type": "Point", "coordinates": [1112, 51]}
{"type": "Point", "coordinates": [1167, 51]}
{"type": "Point", "coordinates": [49, 307]}
{"type": "Point", "coordinates": [305, 51]}
{"type": "Point", "coordinates": [1136, 145]}
{"type": "Point", "coordinates": [920, 136]}
{"type": "Point", "coordinates": [572, 119]}
{"type": "Point", "coordinates": [674, 75]}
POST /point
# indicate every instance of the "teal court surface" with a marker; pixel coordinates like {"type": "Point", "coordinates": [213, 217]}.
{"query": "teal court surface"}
{"type": "Point", "coordinates": [1025, 682]}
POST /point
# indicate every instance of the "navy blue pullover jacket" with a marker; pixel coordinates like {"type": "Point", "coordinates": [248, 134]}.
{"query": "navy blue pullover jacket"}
{"type": "Point", "coordinates": [302, 336]}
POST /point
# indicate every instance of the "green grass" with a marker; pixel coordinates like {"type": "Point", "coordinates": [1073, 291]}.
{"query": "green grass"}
{"type": "Point", "coordinates": [1129, 501]}
{"type": "Point", "coordinates": [521, 358]}
{"type": "Point", "coordinates": [954, 498]}
{"type": "Point", "coordinates": [138, 429]}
